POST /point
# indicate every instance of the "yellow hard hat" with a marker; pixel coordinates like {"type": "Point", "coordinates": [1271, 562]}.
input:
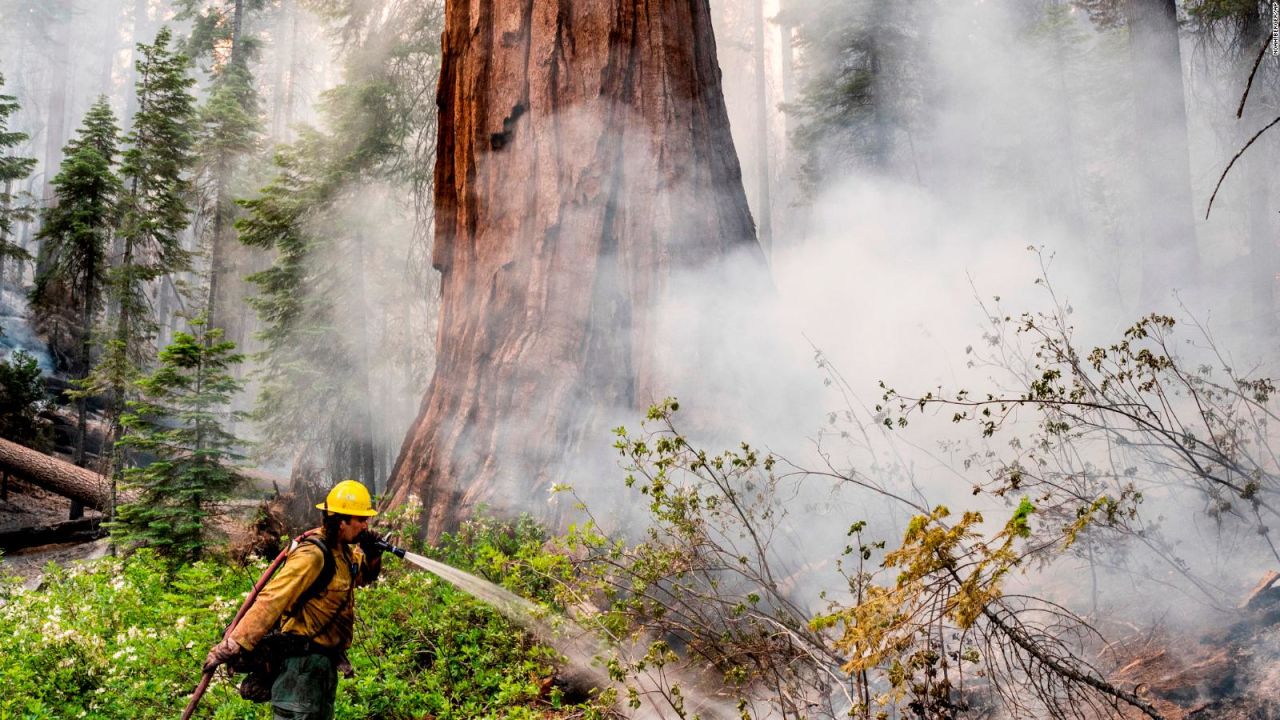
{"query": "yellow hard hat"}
{"type": "Point", "coordinates": [349, 498]}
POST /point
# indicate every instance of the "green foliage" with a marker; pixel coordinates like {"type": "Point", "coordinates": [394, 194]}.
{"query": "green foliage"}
{"type": "Point", "coordinates": [22, 396]}
{"type": "Point", "coordinates": [178, 426]}
{"type": "Point", "coordinates": [158, 158]}
{"type": "Point", "coordinates": [155, 212]}
{"type": "Point", "coordinates": [13, 206]}
{"type": "Point", "coordinates": [154, 172]}
{"type": "Point", "coordinates": [125, 638]}
{"type": "Point", "coordinates": [229, 131]}
{"type": "Point", "coordinates": [1239, 12]}
{"type": "Point", "coordinates": [307, 364]}
{"type": "Point", "coordinates": [323, 350]}
{"type": "Point", "coordinates": [77, 230]}
{"type": "Point", "coordinates": [1091, 432]}
{"type": "Point", "coordinates": [228, 122]}
{"type": "Point", "coordinates": [424, 648]}
{"type": "Point", "coordinates": [702, 570]}
{"type": "Point", "coordinates": [214, 28]}
{"type": "Point", "coordinates": [119, 639]}
{"type": "Point", "coordinates": [510, 553]}
{"type": "Point", "coordinates": [1107, 14]}
{"type": "Point", "coordinates": [910, 631]}
{"type": "Point", "coordinates": [862, 94]}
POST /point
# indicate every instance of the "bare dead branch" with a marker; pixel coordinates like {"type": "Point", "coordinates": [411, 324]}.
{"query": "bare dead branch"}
{"type": "Point", "coordinates": [1249, 85]}
{"type": "Point", "coordinates": [1252, 140]}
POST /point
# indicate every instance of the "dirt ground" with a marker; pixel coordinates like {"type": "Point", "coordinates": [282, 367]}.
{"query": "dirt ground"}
{"type": "Point", "coordinates": [26, 506]}
{"type": "Point", "coordinates": [29, 564]}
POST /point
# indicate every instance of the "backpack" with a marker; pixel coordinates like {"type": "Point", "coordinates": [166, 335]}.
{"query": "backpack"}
{"type": "Point", "coordinates": [263, 663]}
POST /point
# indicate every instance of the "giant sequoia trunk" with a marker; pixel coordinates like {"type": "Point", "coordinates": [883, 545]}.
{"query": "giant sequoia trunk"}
{"type": "Point", "coordinates": [584, 156]}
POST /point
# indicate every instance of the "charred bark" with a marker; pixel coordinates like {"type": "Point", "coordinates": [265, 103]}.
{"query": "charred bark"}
{"type": "Point", "coordinates": [79, 530]}
{"type": "Point", "coordinates": [584, 156]}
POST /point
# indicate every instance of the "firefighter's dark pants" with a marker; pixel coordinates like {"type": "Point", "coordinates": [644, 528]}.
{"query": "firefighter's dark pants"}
{"type": "Point", "coordinates": [305, 688]}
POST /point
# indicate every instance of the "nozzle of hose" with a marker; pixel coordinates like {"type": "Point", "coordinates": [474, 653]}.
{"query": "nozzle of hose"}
{"type": "Point", "coordinates": [385, 546]}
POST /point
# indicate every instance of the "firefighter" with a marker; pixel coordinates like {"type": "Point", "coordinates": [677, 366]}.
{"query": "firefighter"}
{"type": "Point", "coordinates": [309, 627]}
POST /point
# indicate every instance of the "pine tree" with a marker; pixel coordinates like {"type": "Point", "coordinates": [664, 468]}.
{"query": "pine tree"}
{"type": "Point", "coordinates": [229, 132]}
{"type": "Point", "coordinates": [155, 212]}
{"type": "Point", "coordinates": [14, 208]}
{"type": "Point", "coordinates": [155, 208]}
{"type": "Point", "coordinates": [76, 234]}
{"type": "Point", "coordinates": [22, 396]}
{"type": "Point", "coordinates": [178, 422]}
{"type": "Point", "coordinates": [218, 25]}
{"type": "Point", "coordinates": [311, 392]}
{"type": "Point", "coordinates": [861, 98]}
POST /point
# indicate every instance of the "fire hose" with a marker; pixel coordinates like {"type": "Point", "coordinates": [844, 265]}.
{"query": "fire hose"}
{"type": "Point", "coordinates": [207, 677]}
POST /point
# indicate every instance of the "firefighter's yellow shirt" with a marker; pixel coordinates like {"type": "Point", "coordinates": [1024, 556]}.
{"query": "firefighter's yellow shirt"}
{"type": "Point", "coordinates": [303, 565]}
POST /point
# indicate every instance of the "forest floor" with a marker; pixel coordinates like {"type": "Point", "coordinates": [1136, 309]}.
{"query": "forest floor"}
{"type": "Point", "coordinates": [31, 564]}
{"type": "Point", "coordinates": [28, 506]}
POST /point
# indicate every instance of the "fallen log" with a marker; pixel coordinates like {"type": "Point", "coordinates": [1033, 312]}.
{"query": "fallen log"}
{"type": "Point", "coordinates": [81, 530]}
{"type": "Point", "coordinates": [81, 484]}
{"type": "Point", "coordinates": [54, 475]}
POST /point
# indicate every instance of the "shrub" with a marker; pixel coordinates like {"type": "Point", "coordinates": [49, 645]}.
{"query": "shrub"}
{"type": "Point", "coordinates": [125, 638]}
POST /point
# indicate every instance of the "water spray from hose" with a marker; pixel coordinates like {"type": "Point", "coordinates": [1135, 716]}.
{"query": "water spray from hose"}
{"type": "Point", "coordinates": [578, 645]}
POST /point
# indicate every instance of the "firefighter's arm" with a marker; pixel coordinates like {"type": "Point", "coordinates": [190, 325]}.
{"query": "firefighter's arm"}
{"type": "Point", "coordinates": [370, 568]}
{"type": "Point", "coordinates": [300, 570]}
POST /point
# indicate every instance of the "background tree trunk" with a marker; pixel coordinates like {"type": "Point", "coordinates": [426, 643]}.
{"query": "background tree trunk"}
{"type": "Point", "coordinates": [366, 452]}
{"type": "Point", "coordinates": [1257, 171]}
{"type": "Point", "coordinates": [1171, 257]}
{"type": "Point", "coordinates": [143, 32]}
{"type": "Point", "coordinates": [584, 156]}
{"type": "Point", "coordinates": [59, 79]}
{"type": "Point", "coordinates": [763, 202]}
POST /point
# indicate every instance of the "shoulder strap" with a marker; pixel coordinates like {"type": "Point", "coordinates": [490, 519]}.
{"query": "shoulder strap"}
{"type": "Point", "coordinates": [321, 582]}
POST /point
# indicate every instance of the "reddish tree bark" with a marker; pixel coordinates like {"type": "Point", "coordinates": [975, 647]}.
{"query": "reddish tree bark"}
{"type": "Point", "coordinates": [584, 156]}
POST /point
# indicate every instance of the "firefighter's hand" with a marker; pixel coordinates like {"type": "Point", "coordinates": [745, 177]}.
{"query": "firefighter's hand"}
{"type": "Point", "coordinates": [220, 654]}
{"type": "Point", "coordinates": [344, 667]}
{"type": "Point", "coordinates": [368, 542]}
